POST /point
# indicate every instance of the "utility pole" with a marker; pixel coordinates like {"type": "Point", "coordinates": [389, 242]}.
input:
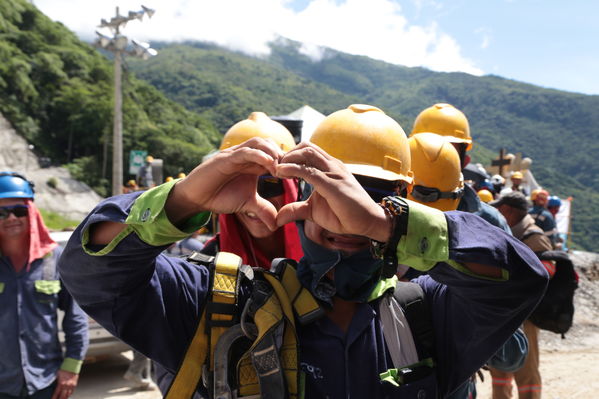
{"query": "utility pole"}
{"type": "Point", "coordinates": [117, 44]}
{"type": "Point", "coordinates": [117, 137]}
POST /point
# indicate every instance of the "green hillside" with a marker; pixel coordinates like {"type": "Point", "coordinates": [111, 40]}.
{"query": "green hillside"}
{"type": "Point", "coordinates": [558, 130]}
{"type": "Point", "coordinates": [58, 92]}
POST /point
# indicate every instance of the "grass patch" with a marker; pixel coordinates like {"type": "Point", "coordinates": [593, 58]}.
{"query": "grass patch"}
{"type": "Point", "coordinates": [54, 221]}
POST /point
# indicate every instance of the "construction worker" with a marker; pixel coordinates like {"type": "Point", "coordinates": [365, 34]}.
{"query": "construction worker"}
{"type": "Point", "coordinates": [351, 248]}
{"type": "Point", "coordinates": [543, 218]}
{"type": "Point", "coordinates": [516, 180]}
{"type": "Point", "coordinates": [553, 206]}
{"type": "Point", "coordinates": [450, 122]}
{"type": "Point", "coordinates": [144, 177]}
{"type": "Point", "coordinates": [32, 364]}
{"type": "Point", "coordinates": [438, 180]}
{"type": "Point", "coordinates": [244, 233]}
{"type": "Point", "coordinates": [130, 187]}
{"type": "Point", "coordinates": [497, 181]}
{"type": "Point", "coordinates": [439, 184]}
{"type": "Point", "coordinates": [514, 206]}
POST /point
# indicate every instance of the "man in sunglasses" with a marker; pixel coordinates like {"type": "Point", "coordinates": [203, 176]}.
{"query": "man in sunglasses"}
{"type": "Point", "coordinates": [32, 364]}
{"type": "Point", "coordinates": [351, 247]}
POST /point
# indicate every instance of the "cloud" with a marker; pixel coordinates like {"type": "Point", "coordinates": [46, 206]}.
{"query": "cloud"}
{"type": "Point", "coordinates": [376, 28]}
{"type": "Point", "coordinates": [485, 34]}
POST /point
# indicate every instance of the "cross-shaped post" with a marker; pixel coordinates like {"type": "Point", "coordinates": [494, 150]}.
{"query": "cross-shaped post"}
{"type": "Point", "coordinates": [501, 161]}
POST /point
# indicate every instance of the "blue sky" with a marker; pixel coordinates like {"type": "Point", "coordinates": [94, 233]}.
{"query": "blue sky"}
{"type": "Point", "coordinates": [547, 43]}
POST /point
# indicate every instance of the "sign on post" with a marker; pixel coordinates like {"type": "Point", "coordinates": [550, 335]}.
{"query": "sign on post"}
{"type": "Point", "coordinates": [136, 160]}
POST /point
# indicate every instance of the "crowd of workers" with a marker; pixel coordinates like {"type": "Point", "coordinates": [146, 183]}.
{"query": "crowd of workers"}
{"type": "Point", "coordinates": [370, 217]}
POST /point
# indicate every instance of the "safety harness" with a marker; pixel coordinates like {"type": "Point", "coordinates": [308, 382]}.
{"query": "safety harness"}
{"type": "Point", "coordinates": [260, 340]}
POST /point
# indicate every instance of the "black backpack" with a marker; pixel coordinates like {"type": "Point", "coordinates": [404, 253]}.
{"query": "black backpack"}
{"type": "Point", "coordinates": [556, 310]}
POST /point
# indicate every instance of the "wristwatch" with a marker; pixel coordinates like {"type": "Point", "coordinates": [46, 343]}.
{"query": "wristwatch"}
{"type": "Point", "coordinates": [398, 209]}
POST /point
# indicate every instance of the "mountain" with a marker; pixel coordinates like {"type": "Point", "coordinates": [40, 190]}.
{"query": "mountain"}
{"type": "Point", "coordinates": [57, 92]}
{"type": "Point", "coordinates": [558, 130]}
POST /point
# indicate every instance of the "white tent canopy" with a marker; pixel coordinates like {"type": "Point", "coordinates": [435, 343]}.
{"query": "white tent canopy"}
{"type": "Point", "coordinates": [310, 117]}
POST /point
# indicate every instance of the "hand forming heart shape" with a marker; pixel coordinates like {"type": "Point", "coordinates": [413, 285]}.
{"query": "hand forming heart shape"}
{"type": "Point", "coordinates": [227, 182]}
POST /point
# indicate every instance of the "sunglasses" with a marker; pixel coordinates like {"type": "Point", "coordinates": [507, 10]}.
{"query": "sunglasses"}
{"type": "Point", "coordinates": [429, 194]}
{"type": "Point", "coordinates": [378, 189]}
{"type": "Point", "coordinates": [17, 210]}
{"type": "Point", "coordinates": [269, 186]}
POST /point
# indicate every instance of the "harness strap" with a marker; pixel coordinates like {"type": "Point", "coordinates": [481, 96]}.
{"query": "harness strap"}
{"type": "Point", "coordinates": [270, 368]}
{"type": "Point", "coordinates": [305, 306]}
{"type": "Point", "coordinates": [220, 312]}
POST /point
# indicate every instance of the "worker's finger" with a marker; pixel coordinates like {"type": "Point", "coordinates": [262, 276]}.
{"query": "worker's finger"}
{"type": "Point", "coordinates": [292, 212]}
{"type": "Point", "coordinates": [264, 210]}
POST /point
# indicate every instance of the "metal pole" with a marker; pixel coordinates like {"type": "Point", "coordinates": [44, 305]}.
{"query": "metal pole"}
{"type": "Point", "coordinates": [117, 139]}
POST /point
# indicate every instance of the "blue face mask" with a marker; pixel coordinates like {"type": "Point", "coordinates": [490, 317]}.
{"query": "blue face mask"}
{"type": "Point", "coordinates": [355, 275]}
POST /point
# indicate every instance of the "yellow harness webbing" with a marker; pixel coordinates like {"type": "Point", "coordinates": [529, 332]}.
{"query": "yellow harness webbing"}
{"type": "Point", "coordinates": [266, 369]}
{"type": "Point", "coordinates": [224, 290]}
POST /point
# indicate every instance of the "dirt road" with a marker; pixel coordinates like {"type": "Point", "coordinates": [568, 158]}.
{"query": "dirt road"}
{"type": "Point", "coordinates": [104, 380]}
{"type": "Point", "coordinates": [567, 374]}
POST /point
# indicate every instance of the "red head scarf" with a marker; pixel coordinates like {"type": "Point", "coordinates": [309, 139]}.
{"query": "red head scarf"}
{"type": "Point", "coordinates": [40, 242]}
{"type": "Point", "coordinates": [233, 237]}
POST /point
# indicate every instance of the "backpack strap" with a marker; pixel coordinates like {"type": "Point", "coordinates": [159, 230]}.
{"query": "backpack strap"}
{"type": "Point", "coordinates": [412, 300]}
{"type": "Point", "coordinates": [530, 234]}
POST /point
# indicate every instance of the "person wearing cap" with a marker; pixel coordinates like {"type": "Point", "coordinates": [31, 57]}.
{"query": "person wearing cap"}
{"type": "Point", "coordinates": [516, 180]}
{"type": "Point", "coordinates": [144, 177]}
{"type": "Point", "coordinates": [514, 206]}
{"type": "Point", "coordinates": [354, 229]}
{"type": "Point", "coordinates": [543, 218]}
{"type": "Point", "coordinates": [32, 363]}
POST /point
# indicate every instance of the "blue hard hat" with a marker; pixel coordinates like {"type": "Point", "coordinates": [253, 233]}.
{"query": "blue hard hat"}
{"type": "Point", "coordinates": [487, 185]}
{"type": "Point", "coordinates": [554, 201]}
{"type": "Point", "coordinates": [14, 185]}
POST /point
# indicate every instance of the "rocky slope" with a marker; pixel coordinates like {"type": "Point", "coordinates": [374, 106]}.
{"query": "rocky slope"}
{"type": "Point", "coordinates": [69, 198]}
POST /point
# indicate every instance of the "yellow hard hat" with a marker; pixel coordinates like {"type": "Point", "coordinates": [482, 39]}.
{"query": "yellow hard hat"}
{"type": "Point", "coordinates": [517, 175]}
{"type": "Point", "coordinates": [258, 124]}
{"type": "Point", "coordinates": [169, 178]}
{"type": "Point", "coordinates": [485, 195]}
{"type": "Point", "coordinates": [180, 175]}
{"type": "Point", "coordinates": [438, 180]}
{"type": "Point", "coordinates": [445, 120]}
{"type": "Point", "coordinates": [367, 141]}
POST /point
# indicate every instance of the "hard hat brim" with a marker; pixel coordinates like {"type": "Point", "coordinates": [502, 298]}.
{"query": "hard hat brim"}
{"type": "Point", "coordinates": [377, 172]}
